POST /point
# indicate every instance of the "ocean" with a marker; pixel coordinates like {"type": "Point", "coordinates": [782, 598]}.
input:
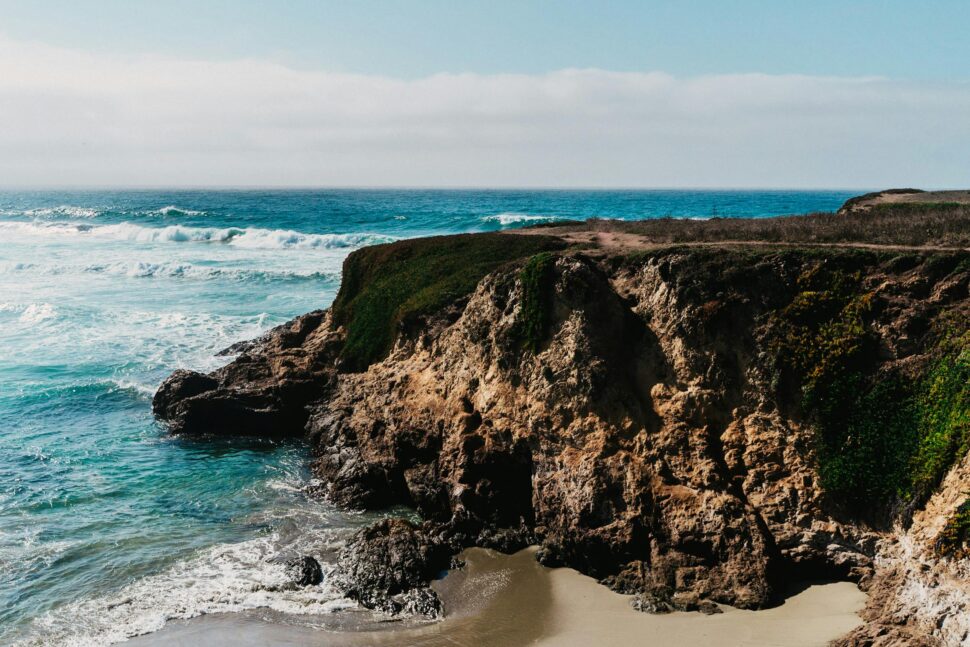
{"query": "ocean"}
{"type": "Point", "coordinates": [108, 526]}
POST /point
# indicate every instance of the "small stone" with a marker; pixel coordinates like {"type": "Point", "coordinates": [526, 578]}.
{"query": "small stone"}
{"type": "Point", "coordinates": [650, 603]}
{"type": "Point", "coordinates": [305, 571]}
{"type": "Point", "coordinates": [708, 608]}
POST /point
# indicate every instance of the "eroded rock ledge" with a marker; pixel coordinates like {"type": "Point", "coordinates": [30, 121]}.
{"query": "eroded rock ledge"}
{"type": "Point", "coordinates": [636, 415]}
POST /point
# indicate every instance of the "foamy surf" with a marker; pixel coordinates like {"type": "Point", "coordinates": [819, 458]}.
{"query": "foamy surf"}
{"type": "Point", "coordinates": [225, 578]}
{"type": "Point", "coordinates": [30, 313]}
{"type": "Point", "coordinates": [242, 237]}
{"type": "Point", "coordinates": [512, 218]}
{"type": "Point", "coordinates": [63, 210]}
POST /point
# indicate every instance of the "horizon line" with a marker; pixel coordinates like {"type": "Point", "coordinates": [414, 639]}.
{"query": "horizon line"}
{"type": "Point", "coordinates": [419, 187]}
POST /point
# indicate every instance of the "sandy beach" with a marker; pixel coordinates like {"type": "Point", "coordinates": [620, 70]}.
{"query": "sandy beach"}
{"type": "Point", "coordinates": [508, 600]}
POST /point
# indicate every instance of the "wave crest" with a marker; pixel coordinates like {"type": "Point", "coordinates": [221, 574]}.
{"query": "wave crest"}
{"type": "Point", "coordinates": [243, 237]}
{"type": "Point", "coordinates": [172, 210]}
{"type": "Point", "coordinates": [512, 218]}
{"type": "Point", "coordinates": [32, 313]}
{"type": "Point", "coordinates": [223, 579]}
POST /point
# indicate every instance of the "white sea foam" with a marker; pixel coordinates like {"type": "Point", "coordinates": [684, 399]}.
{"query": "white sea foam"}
{"type": "Point", "coordinates": [172, 210]}
{"type": "Point", "coordinates": [224, 578]}
{"type": "Point", "coordinates": [243, 237]}
{"type": "Point", "coordinates": [24, 551]}
{"type": "Point", "coordinates": [171, 269]}
{"type": "Point", "coordinates": [31, 313]}
{"type": "Point", "coordinates": [511, 218]}
{"type": "Point", "coordinates": [63, 210]}
{"type": "Point", "coordinates": [144, 390]}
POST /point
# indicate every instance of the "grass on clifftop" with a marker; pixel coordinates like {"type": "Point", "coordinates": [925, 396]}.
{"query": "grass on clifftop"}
{"type": "Point", "coordinates": [385, 286]}
{"type": "Point", "coordinates": [915, 224]}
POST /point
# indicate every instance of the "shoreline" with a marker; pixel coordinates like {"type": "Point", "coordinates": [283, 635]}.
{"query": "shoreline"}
{"type": "Point", "coordinates": [502, 600]}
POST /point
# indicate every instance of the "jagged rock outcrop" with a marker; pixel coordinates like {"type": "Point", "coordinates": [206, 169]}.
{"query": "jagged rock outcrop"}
{"type": "Point", "coordinates": [264, 391]}
{"type": "Point", "coordinates": [636, 428]}
{"type": "Point", "coordinates": [383, 566]}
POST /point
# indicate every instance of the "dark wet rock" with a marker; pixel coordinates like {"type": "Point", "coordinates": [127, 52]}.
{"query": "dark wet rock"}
{"type": "Point", "coordinates": [239, 348]}
{"type": "Point", "coordinates": [305, 571]}
{"type": "Point", "coordinates": [652, 602]}
{"type": "Point", "coordinates": [420, 601]}
{"type": "Point", "coordinates": [387, 559]}
{"type": "Point", "coordinates": [170, 399]}
{"type": "Point", "coordinates": [263, 392]}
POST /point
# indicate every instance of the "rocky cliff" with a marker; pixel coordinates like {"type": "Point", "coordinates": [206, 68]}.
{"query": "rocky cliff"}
{"type": "Point", "coordinates": [689, 424]}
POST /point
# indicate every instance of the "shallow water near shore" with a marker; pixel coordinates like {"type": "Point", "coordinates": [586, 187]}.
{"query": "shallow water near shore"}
{"type": "Point", "coordinates": [109, 527]}
{"type": "Point", "coordinates": [510, 600]}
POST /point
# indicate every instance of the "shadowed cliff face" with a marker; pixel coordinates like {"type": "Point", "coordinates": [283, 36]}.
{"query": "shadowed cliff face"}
{"type": "Point", "coordinates": [640, 417]}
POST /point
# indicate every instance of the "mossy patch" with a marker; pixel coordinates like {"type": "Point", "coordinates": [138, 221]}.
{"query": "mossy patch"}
{"type": "Point", "coordinates": [533, 318]}
{"type": "Point", "coordinates": [387, 286]}
{"type": "Point", "coordinates": [881, 436]}
{"type": "Point", "coordinates": [943, 406]}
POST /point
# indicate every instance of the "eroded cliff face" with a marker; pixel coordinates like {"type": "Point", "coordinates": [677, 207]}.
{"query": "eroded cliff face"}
{"type": "Point", "coordinates": [626, 413]}
{"type": "Point", "coordinates": [919, 596]}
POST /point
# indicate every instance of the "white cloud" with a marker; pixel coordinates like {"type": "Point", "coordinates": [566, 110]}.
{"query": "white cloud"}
{"type": "Point", "coordinates": [69, 117]}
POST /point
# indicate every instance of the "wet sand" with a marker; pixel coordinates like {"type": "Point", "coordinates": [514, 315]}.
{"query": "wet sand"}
{"type": "Point", "coordinates": [510, 600]}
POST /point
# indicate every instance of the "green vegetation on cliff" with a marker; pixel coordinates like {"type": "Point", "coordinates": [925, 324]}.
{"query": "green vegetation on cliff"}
{"type": "Point", "coordinates": [954, 540]}
{"type": "Point", "coordinates": [387, 286]}
{"type": "Point", "coordinates": [533, 320]}
{"type": "Point", "coordinates": [943, 405]}
{"type": "Point", "coordinates": [883, 434]}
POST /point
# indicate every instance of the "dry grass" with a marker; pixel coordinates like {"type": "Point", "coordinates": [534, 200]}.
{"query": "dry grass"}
{"type": "Point", "coordinates": [919, 224]}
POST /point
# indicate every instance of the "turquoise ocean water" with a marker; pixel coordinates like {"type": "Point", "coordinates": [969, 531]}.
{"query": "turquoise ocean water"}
{"type": "Point", "coordinates": [109, 527]}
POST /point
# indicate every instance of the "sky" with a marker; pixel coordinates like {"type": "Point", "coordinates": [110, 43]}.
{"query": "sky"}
{"type": "Point", "coordinates": [772, 94]}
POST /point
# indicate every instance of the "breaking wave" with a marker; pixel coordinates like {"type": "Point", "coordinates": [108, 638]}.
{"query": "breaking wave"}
{"type": "Point", "coordinates": [32, 313]}
{"type": "Point", "coordinates": [512, 218]}
{"type": "Point", "coordinates": [244, 237]}
{"type": "Point", "coordinates": [224, 578]}
{"type": "Point", "coordinates": [172, 210]}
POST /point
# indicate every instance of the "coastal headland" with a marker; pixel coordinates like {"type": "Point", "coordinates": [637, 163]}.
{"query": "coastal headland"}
{"type": "Point", "coordinates": [694, 413]}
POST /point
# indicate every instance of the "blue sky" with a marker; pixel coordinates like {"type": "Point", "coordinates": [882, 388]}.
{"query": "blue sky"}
{"type": "Point", "coordinates": [895, 38]}
{"type": "Point", "coordinates": [780, 94]}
